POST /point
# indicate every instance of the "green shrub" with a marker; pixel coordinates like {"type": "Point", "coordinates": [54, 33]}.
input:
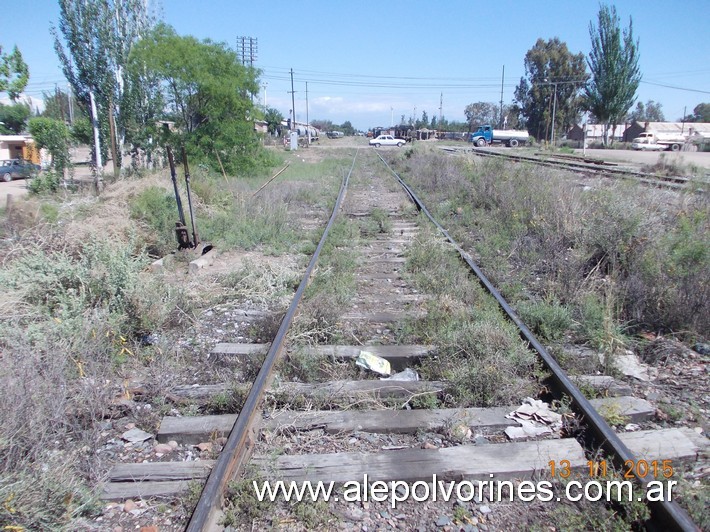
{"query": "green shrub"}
{"type": "Point", "coordinates": [157, 209]}
{"type": "Point", "coordinates": [107, 276]}
{"type": "Point", "coordinates": [45, 182]}
{"type": "Point", "coordinates": [548, 319]}
{"type": "Point", "coordinates": [248, 226]}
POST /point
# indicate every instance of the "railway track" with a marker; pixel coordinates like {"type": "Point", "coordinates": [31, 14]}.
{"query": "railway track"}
{"type": "Point", "coordinates": [588, 166]}
{"type": "Point", "coordinates": [381, 429]}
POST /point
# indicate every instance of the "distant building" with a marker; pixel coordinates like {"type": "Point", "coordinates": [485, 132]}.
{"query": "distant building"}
{"type": "Point", "coordinates": [261, 126]}
{"type": "Point", "coordinates": [595, 132]}
{"type": "Point", "coordinates": [19, 147]}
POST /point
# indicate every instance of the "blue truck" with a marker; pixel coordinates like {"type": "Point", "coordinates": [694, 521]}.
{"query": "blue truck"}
{"type": "Point", "coordinates": [486, 135]}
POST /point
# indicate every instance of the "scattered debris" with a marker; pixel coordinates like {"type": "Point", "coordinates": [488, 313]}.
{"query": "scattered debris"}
{"type": "Point", "coordinates": [460, 432]}
{"type": "Point", "coordinates": [535, 418]}
{"type": "Point", "coordinates": [374, 363]}
{"type": "Point", "coordinates": [630, 365]}
{"type": "Point", "coordinates": [136, 436]}
{"type": "Point", "coordinates": [406, 375]}
{"type": "Point", "coordinates": [702, 349]}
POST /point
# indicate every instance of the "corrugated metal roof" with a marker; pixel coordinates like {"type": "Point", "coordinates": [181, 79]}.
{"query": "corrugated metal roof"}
{"type": "Point", "coordinates": [677, 127]}
{"type": "Point", "coordinates": [15, 138]}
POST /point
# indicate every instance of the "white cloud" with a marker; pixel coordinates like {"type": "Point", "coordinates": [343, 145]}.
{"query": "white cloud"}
{"type": "Point", "coordinates": [34, 103]}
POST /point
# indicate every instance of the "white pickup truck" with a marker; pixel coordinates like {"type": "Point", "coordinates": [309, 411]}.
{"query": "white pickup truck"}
{"type": "Point", "coordinates": [658, 142]}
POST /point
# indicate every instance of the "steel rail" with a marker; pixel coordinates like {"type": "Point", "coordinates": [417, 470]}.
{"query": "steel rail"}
{"type": "Point", "coordinates": [676, 183]}
{"type": "Point", "coordinates": [240, 442]}
{"type": "Point", "coordinates": [668, 513]}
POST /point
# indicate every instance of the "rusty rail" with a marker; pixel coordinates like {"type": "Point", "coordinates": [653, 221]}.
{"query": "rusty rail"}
{"type": "Point", "coordinates": [672, 182]}
{"type": "Point", "coordinates": [667, 515]}
{"type": "Point", "coordinates": [240, 443]}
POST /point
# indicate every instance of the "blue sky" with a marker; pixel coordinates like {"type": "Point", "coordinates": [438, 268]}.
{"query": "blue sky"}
{"type": "Point", "coordinates": [372, 62]}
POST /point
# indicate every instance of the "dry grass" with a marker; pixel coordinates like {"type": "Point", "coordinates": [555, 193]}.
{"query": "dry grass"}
{"type": "Point", "coordinates": [77, 299]}
{"type": "Point", "coordinates": [618, 253]}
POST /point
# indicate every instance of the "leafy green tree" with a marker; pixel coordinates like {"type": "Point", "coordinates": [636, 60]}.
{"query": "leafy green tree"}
{"type": "Point", "coordinates": [143, 112]}
{"type": "Point", "coordinates": [613, 62]}
{"type": "Point", "coordinates": [347, 128]}
{"type": "Point", "coordinates": [701, 113]}
{"type": "Point", "coordinates": [81, 131]}
{"type": "Point", "coordinates": [14, 73]}
{"type": "Point", "coordinates": [448, 125]}
{"type": "Point", "coordinates": [323, 125]}
{"type": "Point", "coordinates": [14, 117]}
{"type": "Point", "coordinates": [208, 94]}
{"type": "Point", "coordinates": [424, 122]}
{"type": "Point", "coordinates": [481, 113]}
{"type": "Point", "coordinates": [512, 117]}
{"type": "Point", "coordinates": [650, 112]}
{"type": "Point", "coordinates": [554, 77]}
{"type": "Point", "coordinates": [54, 136]}
{"type": "Point", "coordinates": [273, 119]}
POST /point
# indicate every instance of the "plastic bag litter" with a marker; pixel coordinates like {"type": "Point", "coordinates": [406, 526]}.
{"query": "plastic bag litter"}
{"type": "Point", "coordinates": [407, 375]}
{"type": "Point", "coordinates": [374, 363]}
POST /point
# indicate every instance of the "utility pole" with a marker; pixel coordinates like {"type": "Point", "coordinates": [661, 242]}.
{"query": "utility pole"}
{"type": "Point", "coordinates": [441, 106]}
{"type": "Point", "coordinates": [293, 132]}
{"type": "Point", "coordinates": [502, 81]}
{"type": "Point", "coordinates": [308, 127]}
{"type": "Point", "coordinates": [247, 48]}
{"type": "Point", "coordinates": [554, 107]}
{"type": "Point", "coordinates": [682, 128]}
{"type": "Point", "coordinates": [293, 103]}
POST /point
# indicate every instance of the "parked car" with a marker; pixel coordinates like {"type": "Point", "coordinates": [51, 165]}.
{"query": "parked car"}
{"type": "Point", "coordinates": [386, 140]}
{"type": "Point", "coordinates": [17, 169]}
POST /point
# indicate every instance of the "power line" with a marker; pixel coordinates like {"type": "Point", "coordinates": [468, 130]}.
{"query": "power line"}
{"type": "Point", "coordinates": [351, 75]}
{"type": "Point", "coordinates": [674, 87]}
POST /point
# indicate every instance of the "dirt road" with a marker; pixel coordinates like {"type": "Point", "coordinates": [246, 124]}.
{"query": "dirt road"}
{"type": "Point", "coordinates": [701, 159]}
{"type": "Point", "coordinates": [14, 188]}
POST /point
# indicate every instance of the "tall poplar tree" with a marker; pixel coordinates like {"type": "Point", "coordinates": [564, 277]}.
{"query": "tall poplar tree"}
{"type": "Point", "coordinates": [99, 35]}
{"type": "Point", "coordinates": [613, 63]}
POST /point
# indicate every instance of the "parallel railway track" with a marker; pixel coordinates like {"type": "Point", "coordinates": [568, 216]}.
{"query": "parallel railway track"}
{"type": "Point", "coordinates": [586, 166]}
{"type": "Point", "coordinates": [385, 299]}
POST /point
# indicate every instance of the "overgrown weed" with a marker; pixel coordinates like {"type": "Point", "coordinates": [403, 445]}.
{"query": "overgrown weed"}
{"type": "Point", "coordinates": [540, 234]}
{"type": "Point", "coordinates": [481, 356]}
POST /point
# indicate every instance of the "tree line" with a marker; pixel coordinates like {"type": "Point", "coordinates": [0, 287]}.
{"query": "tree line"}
{"type": "Point", "coordinates": [560, 86]}
{"type": "Point", "coordinates": [136, 85]}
